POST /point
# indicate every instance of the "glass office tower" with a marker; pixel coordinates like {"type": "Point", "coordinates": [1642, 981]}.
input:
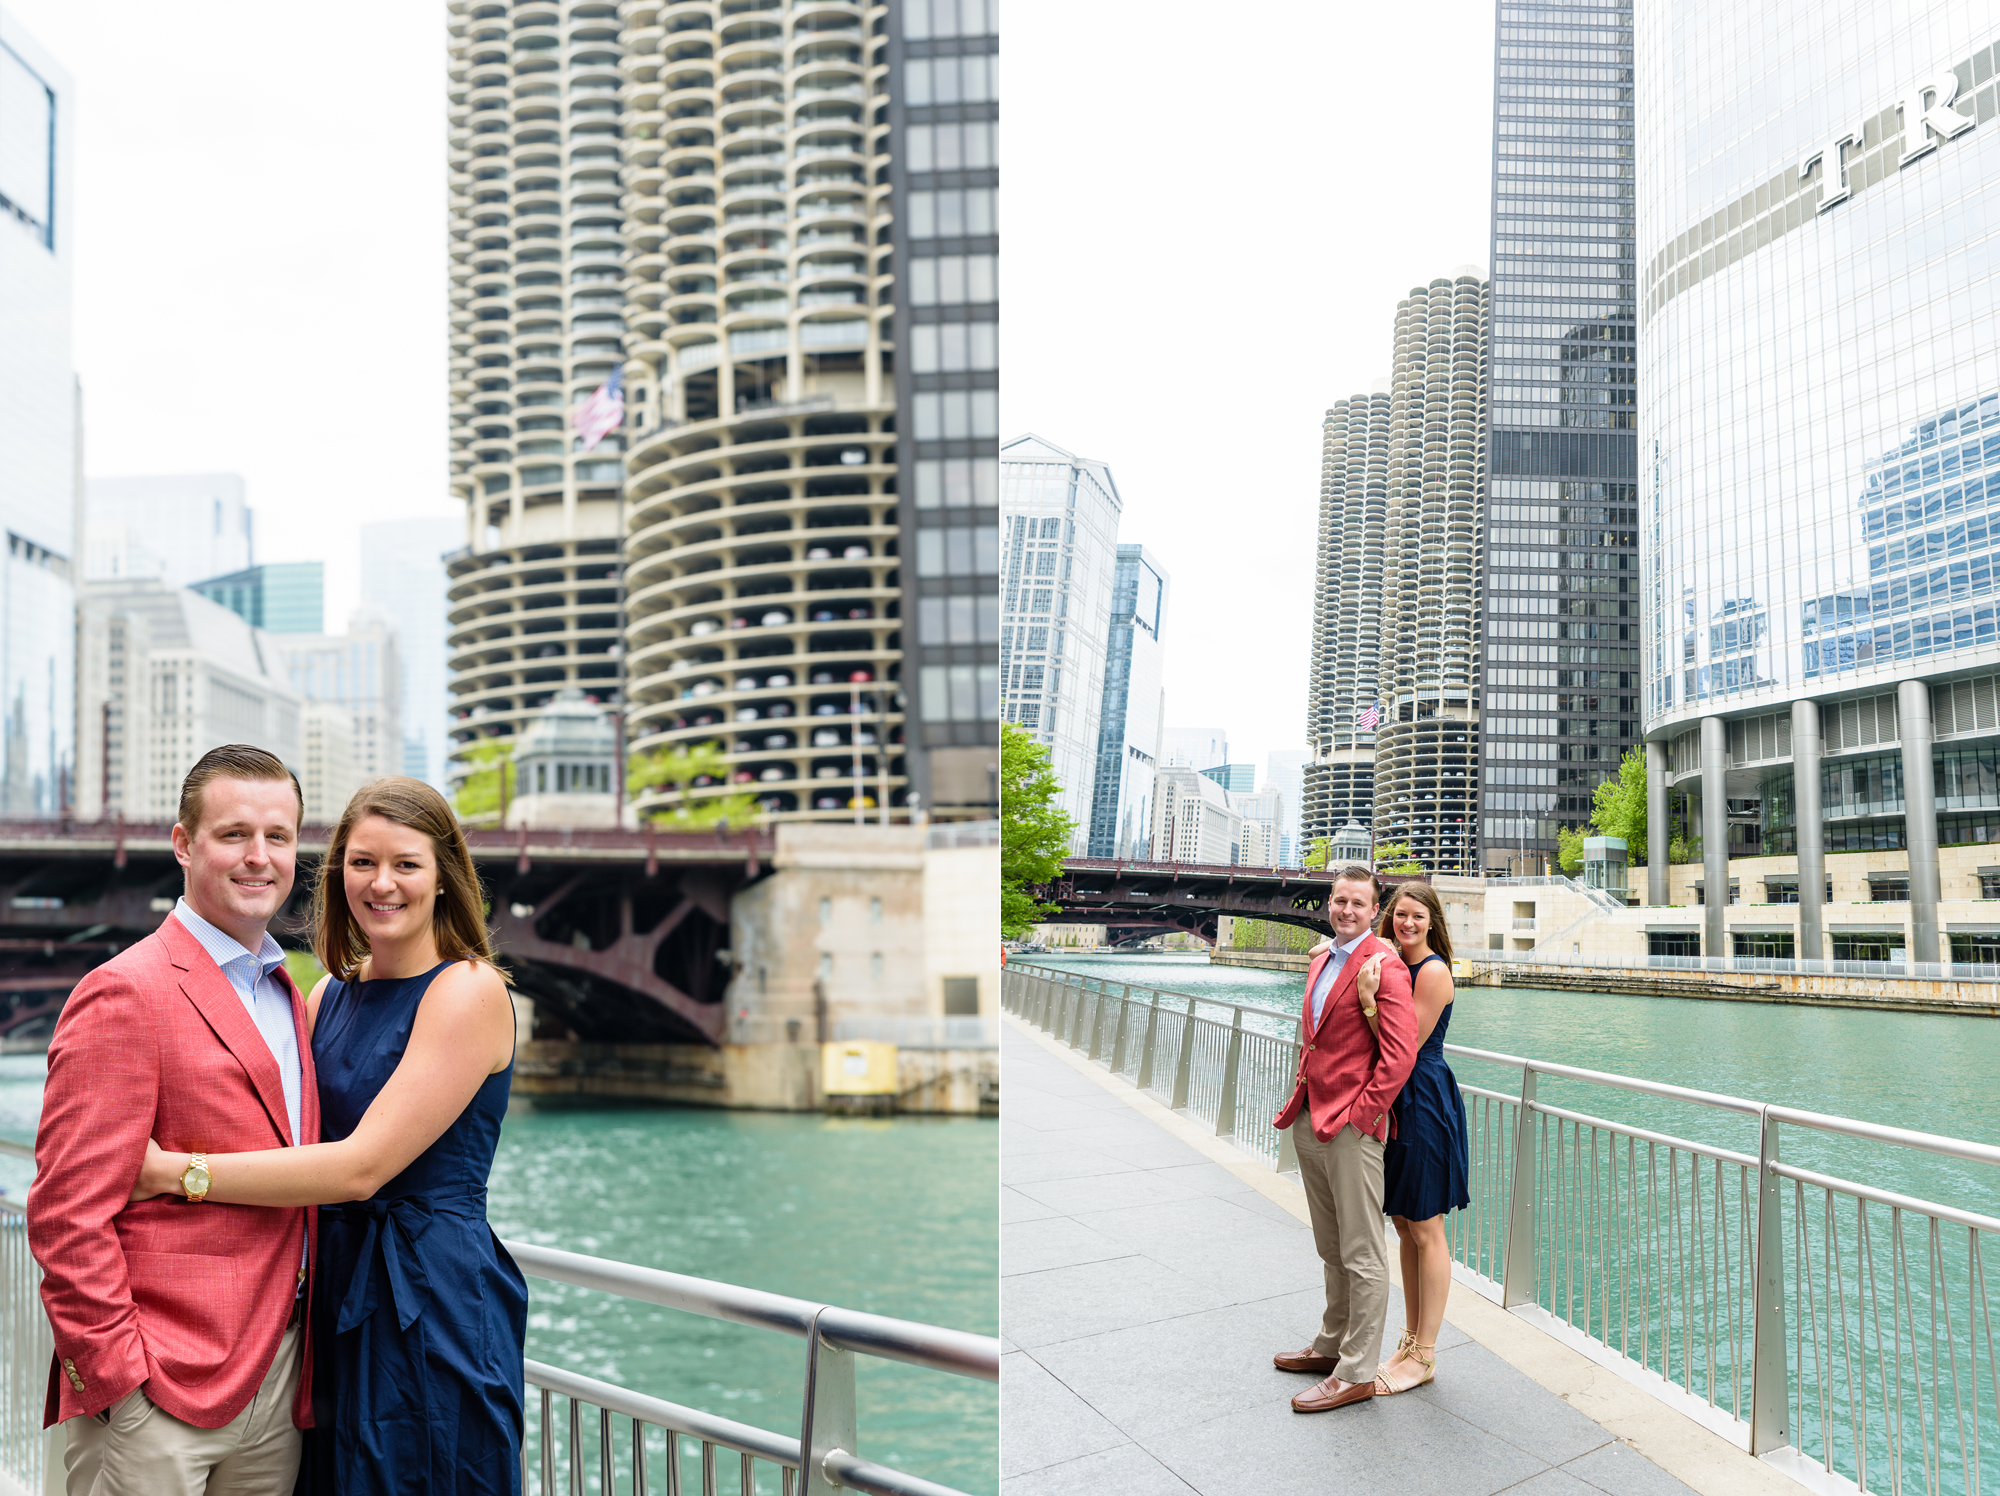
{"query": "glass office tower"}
{"type": "Point", "coordinates": [1128, 730]}
{"type": "Point", "coordinates": [1562, 570]}
{"type": "Point", "coordinates": [1822, 378]}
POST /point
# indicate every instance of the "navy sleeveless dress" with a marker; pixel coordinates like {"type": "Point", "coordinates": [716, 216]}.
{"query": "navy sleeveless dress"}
{"type": "Point", "coordinates": [419, 1315]}
{"type": "Point", "coordinates": [1424, 1166]}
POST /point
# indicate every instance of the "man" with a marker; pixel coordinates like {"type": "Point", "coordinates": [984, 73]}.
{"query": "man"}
{"type": "Point", "coordinates": [1349, 1072]}
{"type": "Point", "coordinates": [180, 1349]}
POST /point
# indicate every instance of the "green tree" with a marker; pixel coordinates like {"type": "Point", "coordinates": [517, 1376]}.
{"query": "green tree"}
{"type": "Point", "coordinates": [1322, 849]}
{"type": "Point", "coordinates": [1396, 858]}
{"type": "Point", "coordinates": [479, 792]}
{"type": "Point", "coordinates": [675, 770]}
{"type": "Point", "coordinates": [1618, 808]}
{"type": "Point", "coordinates": [1569, 848]}
{"type": "Point", "coordinates": [1034, 832]}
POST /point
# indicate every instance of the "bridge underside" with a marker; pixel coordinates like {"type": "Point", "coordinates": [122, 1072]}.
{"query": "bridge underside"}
{"type": "Point", "coordinates": [608, 954]}
{"type": "Point", "coordinates": [1176, 896]}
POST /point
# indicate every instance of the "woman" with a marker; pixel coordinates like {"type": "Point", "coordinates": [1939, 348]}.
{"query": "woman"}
{"type": "Point", "coordinates": [1424, 1167]}
{"type": "Point", "coordinates": [419, 1316]}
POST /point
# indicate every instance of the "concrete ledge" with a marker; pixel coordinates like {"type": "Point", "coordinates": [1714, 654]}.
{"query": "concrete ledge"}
{"type": "Point", "coordinates": [1890, 994]}
{"type": "Point", "coordinates": [1697, 1456]}
{"type": "Point", "coordinates": [1295, 961]}
{"type": "Point", "coordinates": [746, 1077]}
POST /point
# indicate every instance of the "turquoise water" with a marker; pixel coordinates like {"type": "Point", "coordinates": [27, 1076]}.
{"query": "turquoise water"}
{"type": "Point", "coordinates": [1931, 1072]}
{"type": "Point", "coordinates": [894, 1216]}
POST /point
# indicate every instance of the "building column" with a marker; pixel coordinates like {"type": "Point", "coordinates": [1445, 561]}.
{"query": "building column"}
{"type": "Point", "coordinates": [1656, 823]}
{"type": "Point", "coordinates": [1809, 819]}
{"type": "Point", "coordinates": [1913, 727]}
{"type": "Point", "coordinates": [1714, 837]}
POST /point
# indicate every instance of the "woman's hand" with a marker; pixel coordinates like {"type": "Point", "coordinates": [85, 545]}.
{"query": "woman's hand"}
{"type": "Point", "coordinates": [160, 1174]}
{"type": "Point", "coordinates": [1368, 980]}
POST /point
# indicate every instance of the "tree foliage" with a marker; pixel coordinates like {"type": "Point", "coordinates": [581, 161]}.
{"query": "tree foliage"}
{"type": "Point", "coordinates": [1397, 858]}
{"type": "Point", "coordinates": [1322, 849]}
{"type": "Point", "coordinates": [1034, 832]}
{"type": "Point", "coordinates": [1618, 808]}
{"type": "Point", "coordinates": [676, 770]}
{"type": "Point", "coordinates": [479, 792]}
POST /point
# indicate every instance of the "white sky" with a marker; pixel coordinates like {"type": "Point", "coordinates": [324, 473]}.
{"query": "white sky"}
{"type": "Point", "coordinates": [260, 255]}
{"type": "Point", "coordinates": [1211, 212]}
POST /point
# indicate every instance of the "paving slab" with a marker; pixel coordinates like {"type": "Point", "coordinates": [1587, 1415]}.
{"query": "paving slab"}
{"type": "Point", "coordinates": [1144, 1289]}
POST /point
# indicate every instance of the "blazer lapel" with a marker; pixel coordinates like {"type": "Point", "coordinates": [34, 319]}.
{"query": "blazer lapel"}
{"type": "Point", "coordinates": [1342, 984]}
{"type": "Point", "coordinates": [216, 1000]}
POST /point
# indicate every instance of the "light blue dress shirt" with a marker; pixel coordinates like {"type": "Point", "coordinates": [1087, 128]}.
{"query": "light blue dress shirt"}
{"type": "Point", "coordinates": [264, 997]}
{"type": "Point", "coordinates": [1330, 973]}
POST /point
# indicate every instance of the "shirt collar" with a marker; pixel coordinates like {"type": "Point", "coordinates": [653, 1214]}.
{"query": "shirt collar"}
{"type": "Point", "coordinates": [224, 948]}
{"type": "Point", "coordinates": [1343, 950]}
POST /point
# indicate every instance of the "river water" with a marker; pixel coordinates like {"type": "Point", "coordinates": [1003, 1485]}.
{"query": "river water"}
{"type": "Point", "coordinates": [1932, 1072]}
{"type": "Point", "coordinates": [897, 1217]}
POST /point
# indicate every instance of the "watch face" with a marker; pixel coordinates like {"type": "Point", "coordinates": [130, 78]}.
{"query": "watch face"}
{"type": "Point", "coordinates": [195, 1180]}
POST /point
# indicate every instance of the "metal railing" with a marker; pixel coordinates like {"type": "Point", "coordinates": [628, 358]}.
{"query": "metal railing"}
{"type": "Point", "coordinates": [1922, 971]}
{"type": "Point", "coordinates": [635, 1442]}
{"type": "Point", "coordinates": [1840, 1330]}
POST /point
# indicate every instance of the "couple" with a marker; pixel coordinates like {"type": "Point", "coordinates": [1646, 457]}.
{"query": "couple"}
{"type": "Point", "coordinates": [1379, 1126]}
{"type": "Point", "coordinates": [198, 1108]}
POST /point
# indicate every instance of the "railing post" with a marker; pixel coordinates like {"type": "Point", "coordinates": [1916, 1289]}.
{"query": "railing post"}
{"type": "Point", "coordinates": [1061, 1027]}
{"type": "Point", "coordinates": [1118, 1044]}
{"type": "Point", "coordinates": [1184, 1066]}
{"type": "Point", "coordinates": [1097, 1023]}
{"type": "Point", "coordinates": [1288, 1151]}
{"type": "Point", "coordinates": [1770, 1389]}
{"type": "Point", "coordinates": [1146, 1054]}
{"type": "Point", "coordinates": [1041, 1012]}
{"type": "Point", "coordinates": [1075, 1036]}
{"type": "Point", "coordinates": [1517, 1281]}
{"type": "Point", "coordinates": [829, 1412]}
{"type": "Point", "coordinates": [1225, 1108]}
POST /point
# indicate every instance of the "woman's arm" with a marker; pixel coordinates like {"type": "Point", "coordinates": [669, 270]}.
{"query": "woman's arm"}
{"type": "Point", "coordinates": [464, 1032]}
{"type": "Point", "coordinates": [312, 1002]}
{"type": "Point", "coordinates": [1434, 990]}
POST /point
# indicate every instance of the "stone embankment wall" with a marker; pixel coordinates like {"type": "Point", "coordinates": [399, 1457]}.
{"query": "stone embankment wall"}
{"type": "Point", "coordinates": [1261, 960]}
{"type": "Point", "coordinates": [750, 1077]}
{"type": "Point", "coordinates": [1897, 994]}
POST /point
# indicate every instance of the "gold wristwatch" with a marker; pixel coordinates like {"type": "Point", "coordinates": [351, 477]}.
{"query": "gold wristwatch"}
{"type": "Point", "coordinates": [194, 1180]}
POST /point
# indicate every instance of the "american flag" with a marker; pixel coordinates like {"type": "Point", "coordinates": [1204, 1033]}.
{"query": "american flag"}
{"type": "Point", "coordinates": [602, 412]}
{"type": "Point", "coordinates": [1368, 717]}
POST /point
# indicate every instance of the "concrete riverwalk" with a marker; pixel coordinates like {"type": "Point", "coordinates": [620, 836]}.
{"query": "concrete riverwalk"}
{"type": "Point", "coordinates": [1148, 1274]}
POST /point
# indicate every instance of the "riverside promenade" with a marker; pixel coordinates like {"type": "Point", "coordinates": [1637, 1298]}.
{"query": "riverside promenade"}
{"type": "Point", "coordinates": [1149, 1272]}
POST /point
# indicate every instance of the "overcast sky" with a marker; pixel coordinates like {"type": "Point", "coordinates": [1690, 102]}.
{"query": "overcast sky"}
{"type": "Point", "coordinates": [260, 255]}
{"type": "Point", "coordinates": [1211, 212]}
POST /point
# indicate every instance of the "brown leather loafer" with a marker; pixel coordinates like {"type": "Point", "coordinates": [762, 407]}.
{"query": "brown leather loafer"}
{"type": "Point", "coordinates": [1331, 1393]}
{"type": "Point", "coordinates": [1305, 1360]}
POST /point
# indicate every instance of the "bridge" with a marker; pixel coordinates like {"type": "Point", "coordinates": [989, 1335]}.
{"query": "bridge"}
{"type": "Point", "coordinates": [617, 936]}
{"type": "Point", "coordinates": [1136, 898]}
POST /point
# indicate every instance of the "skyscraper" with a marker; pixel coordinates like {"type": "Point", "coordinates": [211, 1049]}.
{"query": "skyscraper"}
{"type": "Point", "coordinates": [1058, 553]}
{"type": "Point", "coordinates": [280, 597]}
{"type": "Point", "coordinates": [403, 579]}
{"type": "Point", "coordinates": [1128, 733]}
{"type": "Point", "coordinates": [179, 527]}
{"type": "Point", "coordinates": [39, 471]}
{"type": "Point", "coordinates": [360, 672]}
{"type": "Point", "coordinates": [1284, 771]}
{"type": "Point", "coordinates": [537, 129]}
{"type": "Point", "coordinates": [1562, 565]}
{"type": "Point", "coordinates": [1819, 562]}
{"type": "Point", "coordinates": [795, 547]}
{"type": "Point", "coordinates": [1338, 786]}
{"type": "Point", "coordinates": [1426, 746]}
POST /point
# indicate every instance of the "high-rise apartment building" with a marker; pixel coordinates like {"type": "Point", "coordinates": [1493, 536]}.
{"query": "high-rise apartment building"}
{"type": "Point", "coordinates": [179, 527]}
{"type": "Point", "coordinates": [1058, 550]}
{"type": "Point", "coordinates": [1427, 744]}
{"type": "Point", "coordinates": [1128, 731]}
{"type": "Point", "coordinates": [795, 547]}
{"type": "Point", "coordinates": [1261, 840]}
{"type": "Point", "coordinates": [1562, 563]}
{"type": "Point", "coordinates": [39, 466]}
{"type": "Point", "coordinates": [1194, 747]}
{"type": "Point", "coordinates": [1822, 452]}
{"type": "Point", "coordinates": [537, 135]}
{"type": "Point", "coordinates": [1343, 694]}
{"type": "Point", "coordinates": [164, 675]}
{"type": "Point", "coordinates": [280, 597]}
{"type": "Point", "coordinates": [1193, 820]}
{"type": "Point", "coordinates": [944, 107]}
{"type": "Point", "coordinates": [403, 579]}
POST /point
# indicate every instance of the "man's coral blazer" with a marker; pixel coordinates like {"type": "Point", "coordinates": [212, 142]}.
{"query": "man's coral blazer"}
{"type": "Point", "coordinates": [190, 1299]}
{"type": "Point", "coordinates": [1344, 1072]}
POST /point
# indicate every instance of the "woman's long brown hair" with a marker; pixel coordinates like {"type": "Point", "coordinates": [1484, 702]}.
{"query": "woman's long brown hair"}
{"type": "Point", "coordinates": [459, 916]}
{"type": "Point", "coordinates": [1437, 937]}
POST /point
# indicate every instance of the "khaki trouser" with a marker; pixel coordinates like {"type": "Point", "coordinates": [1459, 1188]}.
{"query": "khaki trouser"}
{"type": "Point", "coordinates": [1343, 1182]}
{"type": "Point", "coordinates": [142, 1451]}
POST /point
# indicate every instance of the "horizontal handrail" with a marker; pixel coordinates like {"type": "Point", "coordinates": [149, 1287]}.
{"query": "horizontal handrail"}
{"type": "Point", "coordinates": [1887, 1197]}
{"type": "Point", "coordinates": [1606, 1078]}
{"type": "Point", "coordinates": [940, 1349]}
{"type": "Point", "coordinates": [1882, 1132]}
{"type": "Point", "coordinates": [10, 1149]}
{"type": "Point", "coordinates": [880, 1480]}
{"type": "Point", "coordinates": [1627, 1130]}
{"type": "Point", "coordinates": [660, 1413]}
